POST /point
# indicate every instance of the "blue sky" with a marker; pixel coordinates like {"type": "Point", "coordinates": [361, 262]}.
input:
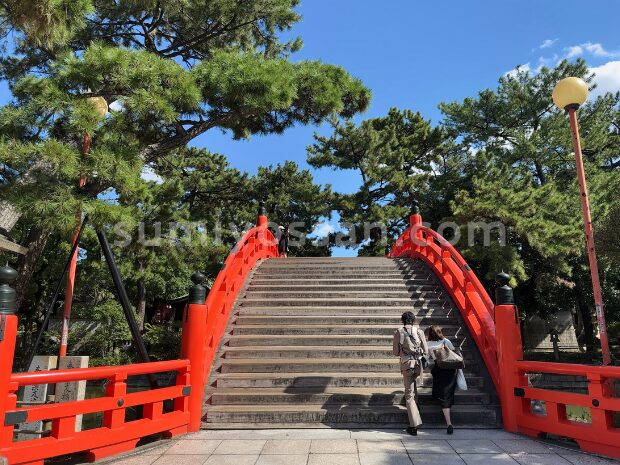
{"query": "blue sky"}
{"type": "Point", "coordinates": [415, 54]}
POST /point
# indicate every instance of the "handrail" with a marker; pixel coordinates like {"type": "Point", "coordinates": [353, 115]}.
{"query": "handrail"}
{"type": "Point", "coordinates": [469, 295]}
{"type": "Point", "coordinates": [463, 266]}
{"type": "Point", "coordinates": [257, 244]}
{"type": "Point", "coordinates": [87, 374]}
{"type": "Point", "coordinates": [518, 395]}
{"type": "Point", "coordinates": [204, 324]}
{"type": "Point", "coordinates": [114, 435]}
{"type": "Point", "coordinates": [569, 369]}
{"type": "Point", "coordinates": [598, 435]}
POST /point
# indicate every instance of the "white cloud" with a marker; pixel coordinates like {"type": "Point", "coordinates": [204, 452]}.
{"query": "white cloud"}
{"type": "Point", "coordinates": [574, 51]}
{"type": "Point", "coordinates": [598, 51]}
{"type": "Point", "coordinates": [547, 43]}
{"type": "Point", "coordinates": [149, 175]}
{"type": "Point", "coordinates": [607, 78]}
{"type": "Point", "coordinates": [323, 230]}
{"type": "Point", "coordinates": [520, 68]}
{"type": "Point", "coordinates": [595, 49]}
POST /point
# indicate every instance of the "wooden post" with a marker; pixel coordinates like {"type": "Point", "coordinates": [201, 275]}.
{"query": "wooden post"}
{"type": "Point", "coordinates": [8, 337]}
{"type": "Point", "coordinates": [261, 219]}
{"type": "Point", "coordinates": [415, 222]}
{"type": "Point", "coordinates": [193, 347]}
{"type": "Point", "coordinates": [509, 350]}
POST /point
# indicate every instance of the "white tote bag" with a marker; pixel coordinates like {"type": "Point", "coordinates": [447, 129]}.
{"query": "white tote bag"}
{"type": "Point", "coordinates": [461, 383]}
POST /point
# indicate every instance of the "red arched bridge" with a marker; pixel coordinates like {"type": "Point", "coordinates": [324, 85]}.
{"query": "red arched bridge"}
{"type": "Point", "coordinates": [307, 342]}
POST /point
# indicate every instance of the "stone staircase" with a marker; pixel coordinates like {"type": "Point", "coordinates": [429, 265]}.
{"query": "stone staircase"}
{"type": "Point", "coordinates": [310, 345]}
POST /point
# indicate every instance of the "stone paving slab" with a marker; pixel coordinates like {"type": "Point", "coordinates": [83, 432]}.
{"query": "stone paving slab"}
{"type": "Point", "coordinates": [393, 458]}
{"type": "Point", "coordinates": [355, 447]}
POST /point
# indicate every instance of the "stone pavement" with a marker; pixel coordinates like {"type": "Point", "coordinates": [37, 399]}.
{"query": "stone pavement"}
{"type": "Point", "coordinates": [355, 447]}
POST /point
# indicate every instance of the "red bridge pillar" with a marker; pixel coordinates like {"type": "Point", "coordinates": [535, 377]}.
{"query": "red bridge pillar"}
{"type": "Point", "coordinates": [8, 337]}
{"type": "Point", "coordinates": [509, 350]}
{"type": "Point", "coordinates": [261, 220]}
{"type": "Point", "coordinates": [193, 347]}
{"type": "Point", "coordinates": [415, 223]}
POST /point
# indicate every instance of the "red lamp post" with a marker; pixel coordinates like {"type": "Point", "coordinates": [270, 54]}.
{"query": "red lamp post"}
{"type": "Point", "coordinates": [569, 94]}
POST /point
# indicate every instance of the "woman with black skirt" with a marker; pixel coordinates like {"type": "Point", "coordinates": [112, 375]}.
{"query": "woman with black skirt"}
{"type": "Point", "coordinates": [444, 381]}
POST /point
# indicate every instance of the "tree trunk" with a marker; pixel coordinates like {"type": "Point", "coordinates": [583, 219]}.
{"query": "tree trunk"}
{"type": "Point", "coordinates": [141, 307]}
{"type": "Point", "coordinates": [26, 265]}
{"type": "Point", "coordinates": [586, 314]}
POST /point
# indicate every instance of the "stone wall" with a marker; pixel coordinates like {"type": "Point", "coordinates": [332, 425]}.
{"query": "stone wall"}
{"type": "Point", "coordinates": [536, 333]}
{"type": "Point", "coordinates": [568, 383]}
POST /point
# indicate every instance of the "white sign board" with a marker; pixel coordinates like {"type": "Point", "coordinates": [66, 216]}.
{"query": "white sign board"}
{"type": "Point", "coordinates": [75, 390]}
{"type": "Point", "coordinates": [36, 394]}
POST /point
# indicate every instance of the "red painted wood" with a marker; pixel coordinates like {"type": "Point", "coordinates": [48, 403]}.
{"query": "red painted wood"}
{"type": "Point", "coordinates": [469, 295]}
{"type": "Point", "coordinates": [203, 328]}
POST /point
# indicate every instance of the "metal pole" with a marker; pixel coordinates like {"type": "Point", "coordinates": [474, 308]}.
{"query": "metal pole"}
{"type": "Point", "coordinates": [50, 308]}
{"type": "Point", "coordinates": [122, 296]}
{"type": "Point", "coordinates": [66, 313]}
{"type": "Point", "coordinates": [587, 219]}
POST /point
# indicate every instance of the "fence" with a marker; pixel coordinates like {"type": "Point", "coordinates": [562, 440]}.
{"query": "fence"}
{"type": "Point", "coordinates": [169, 411]}
{"type": "Point", "coordinates": [496, 331]}
{"type": "Point", "coordinates": [517, 395]}
{"type": "Point", "coordinates": [459, 280]}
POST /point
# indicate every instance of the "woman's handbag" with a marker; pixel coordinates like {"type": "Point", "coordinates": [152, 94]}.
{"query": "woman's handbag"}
{"type": "Point", "coordinates": [448, 359]}
{"type": "Point", "coordinates": [461, 383]}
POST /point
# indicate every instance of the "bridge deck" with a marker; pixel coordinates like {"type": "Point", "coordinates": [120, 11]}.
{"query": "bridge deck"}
{"type": "Point", "coordinates": [356, 447]}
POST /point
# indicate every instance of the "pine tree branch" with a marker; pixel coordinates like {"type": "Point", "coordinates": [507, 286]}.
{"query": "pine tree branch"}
{"type": "Point", "coordinates": [153, 151]}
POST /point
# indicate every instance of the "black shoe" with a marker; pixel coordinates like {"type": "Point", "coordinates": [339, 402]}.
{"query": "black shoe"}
{"type": "Point", "coordinates": [412, 430]}
{"type": "Point", "coordinates": [450, 429]}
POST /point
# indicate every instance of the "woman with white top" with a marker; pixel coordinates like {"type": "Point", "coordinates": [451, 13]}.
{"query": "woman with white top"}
{"type": "Point", "coordinates": [444, 380]}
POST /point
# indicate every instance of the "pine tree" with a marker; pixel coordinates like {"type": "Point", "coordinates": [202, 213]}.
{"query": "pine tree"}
{"type": "Point", "coordinates": [173, 71]}
{"type": "Point", "coordinates": [528, 183]}
{"type": "Point", "coordinates": [395, 156]}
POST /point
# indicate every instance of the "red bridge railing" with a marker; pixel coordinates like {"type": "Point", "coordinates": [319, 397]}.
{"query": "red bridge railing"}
{"type": "Point", "coordinates": [599, 435]}
{"type": "Point", "coordinates": [257, 244]}
{"type": "Point", "coordinates": [170, 410]}
{"type": "Point", "coordinates": [496, 331]}
{"type": "Point", "coordinates": [469, 295]}
{"type": "Point", "coordinates": [115, 434]}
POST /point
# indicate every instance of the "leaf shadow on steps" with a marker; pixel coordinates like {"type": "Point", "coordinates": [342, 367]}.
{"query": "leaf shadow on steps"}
{"type": "Point", "coordinates": [379, 408]}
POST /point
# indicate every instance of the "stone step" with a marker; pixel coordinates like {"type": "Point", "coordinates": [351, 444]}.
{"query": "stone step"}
{"type": "Point", "coordinates": [324, 379]}
{"type": "Point", "coordinates": [342, 269]}
{"type": "Point", "coordinates": [368, 319]}
{"type": "Point", "coordinates": [310, 352]}
{"type": "Point", "coordinates": [344, 274]}
{"type": "Point", "coordinates": [287, 281]}
{"type": "Point", "coordinates": [403, 293]}
{"type": "Point", "coordinates": [419, 310]}
{"type": "Point", "coordinates": [338, 302]}
{"type": "Point", "coordinates": [342, 288]}
{"type": "Point", "coordinates": [310, 345]}
{"type": "Point", "coordinates": [287, 365]}
{"type": "Point", "coordinates": [339, 396]}
{"type": "Point", "coordinates": [352, 265]}
{"type": "Point", "coordinates": [317, 340]}
{"type": "Point", "coordinates": [344, 416]}
{"type": "Point", "coordinates": [293, 365]}
{"type": "Point", "coordinates": [351, 328]}
{"type": "Point", "coordinates": [284, 264]}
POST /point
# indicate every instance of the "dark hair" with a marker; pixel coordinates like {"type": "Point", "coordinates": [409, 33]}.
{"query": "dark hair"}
{"type": "Point", "coordinates": [408, 318]}
{"type": "Point", "coordinates": [435, 333]}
